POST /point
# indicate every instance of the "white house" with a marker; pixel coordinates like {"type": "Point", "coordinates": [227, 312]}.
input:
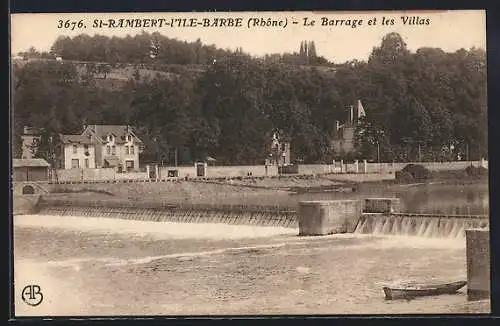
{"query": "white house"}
{"type": "Point", "coordinates": [108, 146]}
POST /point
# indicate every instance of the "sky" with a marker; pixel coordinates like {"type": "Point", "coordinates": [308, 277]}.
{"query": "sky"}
{"type": "Point", "coordinates": [448, 30]}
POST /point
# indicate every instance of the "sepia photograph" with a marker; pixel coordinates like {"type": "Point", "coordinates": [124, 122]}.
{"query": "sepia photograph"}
{"type": "Point", "coordinates": [249, 163]}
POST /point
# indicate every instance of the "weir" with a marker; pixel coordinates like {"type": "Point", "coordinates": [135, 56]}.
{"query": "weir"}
{"type": "Point", "coordinates": [422, 225]}
{"type": "Point", "coordinates": [161, 212]}
{"type": "Point", "coordinates": [378, 216]}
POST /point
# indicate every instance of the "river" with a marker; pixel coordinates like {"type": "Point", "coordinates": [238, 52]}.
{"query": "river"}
{"type": "Point", "coordinates": [102, 266]}
{"type": "Point", "coordinates": [468, 199]}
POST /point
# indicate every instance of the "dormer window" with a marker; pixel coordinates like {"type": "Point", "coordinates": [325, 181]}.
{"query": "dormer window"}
{"type": "Point", "coordinates": [110, 137]}
{"type": "Point", "coordinates": [129, 138]}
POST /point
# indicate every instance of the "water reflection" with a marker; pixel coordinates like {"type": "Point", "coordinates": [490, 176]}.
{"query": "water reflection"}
{"type": "Point", "coordinates": [470, 199]}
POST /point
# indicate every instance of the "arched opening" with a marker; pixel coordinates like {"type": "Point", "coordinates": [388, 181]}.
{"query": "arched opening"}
{"type": "Point", "coordinates": [28, 190]}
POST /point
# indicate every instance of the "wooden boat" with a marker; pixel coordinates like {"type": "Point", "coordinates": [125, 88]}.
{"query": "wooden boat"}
{"type": "Point", "coordinates": [413, 291]}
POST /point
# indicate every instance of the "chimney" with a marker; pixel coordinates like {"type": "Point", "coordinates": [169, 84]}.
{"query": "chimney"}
{"type": "Point", "coordinates": [351, 114]}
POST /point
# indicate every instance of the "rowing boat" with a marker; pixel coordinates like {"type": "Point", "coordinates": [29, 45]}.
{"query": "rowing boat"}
{"type": "Point", "coordinates": [412, 291]}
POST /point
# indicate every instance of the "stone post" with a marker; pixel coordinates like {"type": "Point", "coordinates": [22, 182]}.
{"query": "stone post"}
{"type": "Point", "coordinates": [147, 171]}
{"type": "Point", "coordinates": [478, 264]}
{"type": "Point", "coordinates": [356, 166]}
{"type": "Point", "coordinates": [342, 166]}
{"type": "Point", "coordinates": [365, 166]}
{"type": "Point", "coordinates": [157, 172]}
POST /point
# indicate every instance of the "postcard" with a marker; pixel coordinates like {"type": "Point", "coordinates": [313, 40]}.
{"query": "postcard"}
{"type": "Point", "coordinates": [250, 163]}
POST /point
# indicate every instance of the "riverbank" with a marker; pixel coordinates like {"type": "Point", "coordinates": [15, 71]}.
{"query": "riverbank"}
{"type": "Point", "coordinates": [264, 191]}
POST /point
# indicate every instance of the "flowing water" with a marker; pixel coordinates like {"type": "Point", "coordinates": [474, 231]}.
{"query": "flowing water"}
{"type": "Point", "coordinates": [100, 266]}
{"type": "Point", "coordinates": [420, 226]}
{"type": "Point", "coordinates": [103, 266]}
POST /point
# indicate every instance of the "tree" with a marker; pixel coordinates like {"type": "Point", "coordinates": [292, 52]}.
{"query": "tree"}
{"type": "Point", "coordinates": [423, 102]}
{"type": "Point", "coordinates": [312, 50]}
{"type": "Point", "coordinates": [392, 49]}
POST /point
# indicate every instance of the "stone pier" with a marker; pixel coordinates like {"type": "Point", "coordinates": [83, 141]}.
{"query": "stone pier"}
{"type": "Point", "coordinates": [478, 264]}
{"type": "Point", "coordinates": [328, 216]}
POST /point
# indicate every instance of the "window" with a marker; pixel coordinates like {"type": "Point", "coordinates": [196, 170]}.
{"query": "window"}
{"type": "Point", "coordinates": [127, 152]}
{"type": "Point", "coordinates": [129, 165]}
{"type": "Point", "coordinates": [132, 150]}
{"type": "Point", "coordinates": [75, 163]}
{"type": "Point", "coordinates": [108, 150]}
{"type": "Point", "coordinates": [87, 163]}
{"type": "Point", "coordinates": [110, 137]}
{"type": "Point", "coordinates": [75, 149]}
{"type": "Point", "coordinates": [113, 150]}
{"type": "Point", "coordinates": [86, 148]}
{"type": "Point", "coordinates": [129, 138]}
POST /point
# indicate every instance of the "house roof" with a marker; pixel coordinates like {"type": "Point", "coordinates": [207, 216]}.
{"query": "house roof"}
{"type": "Point", "coordinates": [99, 133]}
{"type": "Point", "coordinates": [119, 131]}
{"type": "Point", "coordinates": [32, 162]}
{"type": "Point", "coordinates": [75, 139]}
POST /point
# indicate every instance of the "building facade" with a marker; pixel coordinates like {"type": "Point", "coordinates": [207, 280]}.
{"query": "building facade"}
{"type": "Point", "coordinates": [344, 138]}
{"type": "Point", "coordinates": [35, 169]}
{"type": "Point", "coordinates": [101, 146]}
{"type": "Point", "coordinates": [280, 152]}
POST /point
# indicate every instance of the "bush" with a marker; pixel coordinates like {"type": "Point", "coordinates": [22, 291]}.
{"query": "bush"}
{"type": "Point", "coordinates": [402, 176]}
{"type": "Point", "coordinates": [417, 172]}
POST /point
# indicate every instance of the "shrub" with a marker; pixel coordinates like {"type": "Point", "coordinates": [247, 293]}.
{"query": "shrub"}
{"type": "Point", "coordinates": [417, 171]}
{"type": "Point", "coordinates": [402, 176]}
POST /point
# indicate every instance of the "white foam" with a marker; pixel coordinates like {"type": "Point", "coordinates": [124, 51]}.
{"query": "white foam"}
{"type": "Point", "coordinates": [148, 228]}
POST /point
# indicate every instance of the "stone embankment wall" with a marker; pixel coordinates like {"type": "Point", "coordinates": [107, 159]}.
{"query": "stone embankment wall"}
{"type": "Point", "coordinates": [340, 167]}
{"type": "Point", "coordinates": [25, 204]}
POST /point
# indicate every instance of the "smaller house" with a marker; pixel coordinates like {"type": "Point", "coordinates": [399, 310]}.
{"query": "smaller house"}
{"type": "Point", "coordinates": [345, 133]}
{"type": "Point", "coordinates": [280, 152]}
{"type": "Point", "coordinates": [76, 151]}
{"type": "Point", "coordinates": [35, 169]}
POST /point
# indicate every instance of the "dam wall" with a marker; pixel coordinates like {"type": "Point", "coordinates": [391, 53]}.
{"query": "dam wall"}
{"type": "Point", "coordinates": [377, 216]}
{"type": "Point", "coordinates": [421, 225]}
{"type": "Point", "coordinates": [382, 216]}
{"type": "Point", "coordinates": [180, 213]}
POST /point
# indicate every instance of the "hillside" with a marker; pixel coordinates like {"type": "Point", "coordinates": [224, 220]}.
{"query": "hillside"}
{"type": "Point", "coordinates": [424, 105]}
{"type": "Point", "coordinates": [117, 75]}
